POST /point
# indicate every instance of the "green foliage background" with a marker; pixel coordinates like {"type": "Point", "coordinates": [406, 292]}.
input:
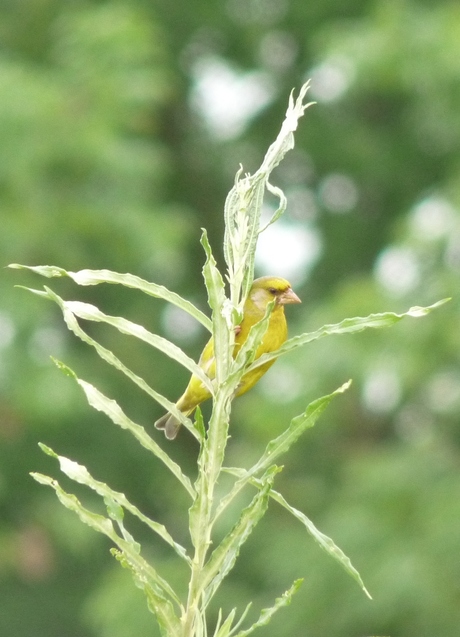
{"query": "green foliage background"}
{"type": "Point", "coordinates": [107, 163]}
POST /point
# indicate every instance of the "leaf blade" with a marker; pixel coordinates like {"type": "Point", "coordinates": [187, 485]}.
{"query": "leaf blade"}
{"type": "Point", "coordinates": [267, 613]}
{"type": "Point", "coordinates": [90, 312]}
{"type": "Point", "coordinates": [224, 556]}
{"type": "Point", "coordinates": [347, 326]}
{"type": "Point", "coordinates": [79, 473]}
{"type": "Point", "coordinates": [113, 360]}
{"type": "Point", "coordinates": [325, 542]}
{"type": "Point", "coordinates": [156, 588]}
{"type": "Point", "coordinates": [110, 408]}
{"type": "Point", "coordinates": [280, 445]}
{"type": "Point", "coordinates": [96, 277]}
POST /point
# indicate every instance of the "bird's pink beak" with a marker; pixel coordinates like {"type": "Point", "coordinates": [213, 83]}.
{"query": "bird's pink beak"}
{"type": "Point", "coordinates": [288, 297]}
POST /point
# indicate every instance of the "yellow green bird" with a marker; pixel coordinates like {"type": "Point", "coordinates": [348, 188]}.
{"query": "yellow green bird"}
{"type": "Point", "coordinates": [263, 291]}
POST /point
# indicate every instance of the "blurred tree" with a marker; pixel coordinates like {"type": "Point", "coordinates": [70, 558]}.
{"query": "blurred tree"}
{"type": "Point", "coordinates": [121, 127]}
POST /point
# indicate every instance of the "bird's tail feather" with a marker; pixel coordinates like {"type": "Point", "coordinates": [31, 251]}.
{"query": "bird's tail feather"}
{"type": "Point", "coordinates": [169, 424]}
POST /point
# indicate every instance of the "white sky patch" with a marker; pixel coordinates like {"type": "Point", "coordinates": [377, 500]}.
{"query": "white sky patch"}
{"type": "Point", "coordinates": [227, 99]}
{"type": "Point", "coordinates": [398, 270]}
{"type": "Point", "coordinates": [433, 218]}
{"type": "Point", "coordinates": [288, 250]}
{"type": "Point", "coordinates": [331, 79]}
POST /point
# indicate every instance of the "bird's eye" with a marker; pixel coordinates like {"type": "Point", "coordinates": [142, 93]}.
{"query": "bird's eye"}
{"type": "Point", "coordinates": [272, 291]}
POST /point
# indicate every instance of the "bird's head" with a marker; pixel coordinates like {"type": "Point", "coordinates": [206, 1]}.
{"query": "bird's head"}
{"type": "Point", "coordinates": [269, 288]}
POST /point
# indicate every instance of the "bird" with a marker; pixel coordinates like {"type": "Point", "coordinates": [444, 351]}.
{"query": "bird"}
{"type": "Point", "coordinates": [263, 290]}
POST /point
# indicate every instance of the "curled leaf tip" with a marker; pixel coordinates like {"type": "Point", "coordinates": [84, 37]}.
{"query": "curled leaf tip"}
{"type": "Point", "coordinates": [47, 450]}
{"type": "Point", "coordinates": [345, 386]}
{"type": "Point", "coordinates": [60, 365]}
{"type": "Point", "coordinates": [418, 311]}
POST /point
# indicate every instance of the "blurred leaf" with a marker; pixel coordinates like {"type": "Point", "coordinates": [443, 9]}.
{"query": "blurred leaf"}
{"type": "Point", "coordinates": [267, 613]}
{"type": "Point", "coordinates": [243, 205]}
{"type": "Point", "coordinates": [347, 326]}
{"type": "Point", "coordinates": [323, 540]}
{"type": "Point", "coordinates": [88, 311]}
{"type": "Point", "coordinates": [224, 556]}
{"type": "Point", "coordinates": [279, 445]}
{"type": "Point", "coordinates": [116, 501]}
{"type": "Point", "coordinates": [156, 589]}
{"type": "Point", "coordinates": [110, 407]}
{"type": "Point", "coordinates": [95, 277]}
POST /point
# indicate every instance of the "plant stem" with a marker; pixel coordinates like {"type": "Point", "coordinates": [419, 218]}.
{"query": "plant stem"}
{"type": "Point", "coordinates": [212, 455]}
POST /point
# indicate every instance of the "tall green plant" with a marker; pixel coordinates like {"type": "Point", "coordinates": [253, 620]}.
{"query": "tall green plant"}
{"type": "Point", "coordinates": [208, 563]}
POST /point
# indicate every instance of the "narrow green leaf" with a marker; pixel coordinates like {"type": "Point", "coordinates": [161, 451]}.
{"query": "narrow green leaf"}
{"type": "Point", "coordinates": [226, 629]}
{"type": "Point", "coordinates": [104, 525]}
{"type": "Point", "coordinates": [199, 423]}
{"type": "Point", "coordinates": [281, 208]}
{"type": "Point", "coordinates": [223, 630]}
{"type": "Point", "coordinates": [98, 522]}
{"type": "Point", "coordinates": [221, 312]}
{"type": "Point", "coordinates": [110, 358]}
{"type": "Point", "coordinates": [224, 555]}
{"type": "Point", "coordinates": [64, 368]}
{"type": "Point", "coordinates": [244, 204]}
{"type": "Point", "coordinates": [90, 312]}
{"type": "Point", "coordinates": [241, 619]}
{"type": "Point", "coordinates": [267, 613]}
{"type": "Point", "coordinates": [168, 623]}
{"type": "Point", "coordinates": [111, 408]}
{"type": "Point", "coordinates": [242, 213]}
{"type": "Point", "coordinates": [285, 140]}
{"type": "Point", "coordinates": [347, 326]}
{"type": "Point", "coordinates": [324, 541]}
{"type": "Point", "coordinates": [248, 350]}
{"type": "Point", "coordinates": [160, 592]}
{"type": "Point", "coordinates": [297, 426]}
{"type": "Point", "coordinates": [115, 501]}
{"type": "Point", "coordinates": [95, 277]}
{"type": "Point", "coordinates": [211, 456]}
{"type": "Point", "coordinates": [44, 270]}
{"type": "Point", "coordinates": [114, 510]}
{"type": "Point", "coordinates": [279, 445]}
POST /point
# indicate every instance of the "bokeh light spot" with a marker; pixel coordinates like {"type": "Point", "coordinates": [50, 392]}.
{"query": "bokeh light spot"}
{"type": "Point", "coordinates": [289, 250]}
{"type": "Point", "coordinates": [338, 193]}
{"type": "Point", "coordinates": [398, 270]}
{"type": "Point", "coordinates": [331, 79]}
{"type": "Point", "coordinates": [227, 99]}
{"type": "Point", "coordinates": [433, 218]}
{"type": "Point", "coordinates": [382, 391]}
